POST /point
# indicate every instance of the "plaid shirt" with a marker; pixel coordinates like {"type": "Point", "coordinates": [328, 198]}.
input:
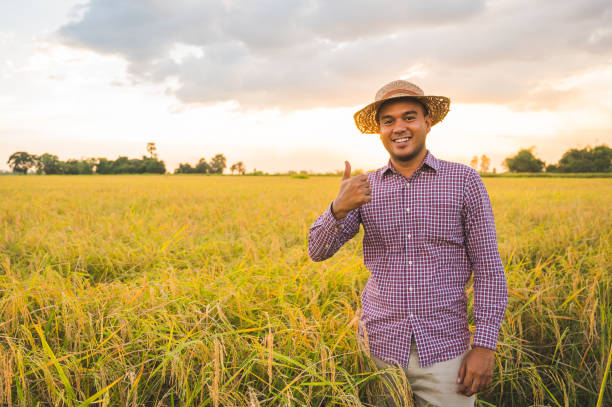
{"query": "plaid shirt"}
{"type": "Point", "coordinates": [423, 237]}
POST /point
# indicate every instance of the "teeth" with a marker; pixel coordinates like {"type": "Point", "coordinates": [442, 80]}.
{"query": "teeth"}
{"type": "Point", "coordinates": [401, 140]}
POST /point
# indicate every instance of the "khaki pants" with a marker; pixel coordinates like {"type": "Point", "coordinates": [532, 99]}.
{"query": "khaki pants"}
{"type": "Point", "coordinates": [434, 385]}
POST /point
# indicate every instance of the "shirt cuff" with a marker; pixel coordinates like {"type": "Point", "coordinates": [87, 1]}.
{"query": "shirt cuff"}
{"type": "Point", "coordinates": [486, 336]}
{"type": "Point", "coordinates": [330, 222]}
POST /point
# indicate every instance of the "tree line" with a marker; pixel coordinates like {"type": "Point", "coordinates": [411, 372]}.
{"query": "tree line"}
{"type": "Point", "coordinates": [22, 162]}
{"type": "Point", "coordinates": [216, 166]}
{"type": "Point", "coordinates": [595, 159]}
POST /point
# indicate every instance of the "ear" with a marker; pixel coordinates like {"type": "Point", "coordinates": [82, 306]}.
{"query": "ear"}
{"type": "Point", "coordinates": [428, 122]}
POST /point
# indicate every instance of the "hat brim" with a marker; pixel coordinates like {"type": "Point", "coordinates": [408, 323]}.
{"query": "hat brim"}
{"type": "Point", "coordinates": [365, 119]}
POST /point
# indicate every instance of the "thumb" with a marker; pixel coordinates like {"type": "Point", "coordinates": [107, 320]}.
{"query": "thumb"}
{"type": "Point", "coordinates": [347, 171]}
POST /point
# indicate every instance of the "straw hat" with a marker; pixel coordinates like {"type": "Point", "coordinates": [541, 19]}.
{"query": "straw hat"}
{"type": "Point", "coordinates": [437, 106]}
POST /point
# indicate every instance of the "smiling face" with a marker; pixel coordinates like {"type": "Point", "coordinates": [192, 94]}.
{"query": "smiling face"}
{"type": "Point", "coordinates": [403, 129]}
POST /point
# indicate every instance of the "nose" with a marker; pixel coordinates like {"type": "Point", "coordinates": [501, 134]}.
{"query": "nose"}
{"type": "Point", "coordinates": [400, 127]}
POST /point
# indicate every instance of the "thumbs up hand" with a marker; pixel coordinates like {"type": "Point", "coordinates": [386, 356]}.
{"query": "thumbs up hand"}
{"type": "Point", "coordinates": [354, 192]}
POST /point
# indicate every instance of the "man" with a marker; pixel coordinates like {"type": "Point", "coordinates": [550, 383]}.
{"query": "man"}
{"type": "Point", "coordinates": [428, 223]}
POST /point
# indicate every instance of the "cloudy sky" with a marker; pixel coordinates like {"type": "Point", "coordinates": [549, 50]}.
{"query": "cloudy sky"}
{"type": "Point", "coordinates": [275, 83]}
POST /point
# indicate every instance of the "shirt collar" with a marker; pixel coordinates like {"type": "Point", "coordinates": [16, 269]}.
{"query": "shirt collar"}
{"type": "Point", "coordinates": [430, 161]}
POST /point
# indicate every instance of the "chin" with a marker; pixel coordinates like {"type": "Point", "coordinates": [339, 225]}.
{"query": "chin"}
{"type": "Point", "coordinates": [408, 155]}
{"type": "Point", "coordinates": [405, 157]}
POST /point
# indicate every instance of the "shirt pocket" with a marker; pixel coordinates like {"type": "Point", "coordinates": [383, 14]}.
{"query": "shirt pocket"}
{"type": "Point", "coordinates": [443, 223]}
{"type": "Point", "coordinates": [384, 220]}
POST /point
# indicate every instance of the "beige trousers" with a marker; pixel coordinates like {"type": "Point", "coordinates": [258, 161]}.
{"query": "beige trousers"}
{"type": "Point", "coordinates": [434, 385]}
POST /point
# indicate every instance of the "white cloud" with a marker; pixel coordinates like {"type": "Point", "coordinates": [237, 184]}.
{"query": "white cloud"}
{"type": "Point", "coordinates": [302, 54]}
{"type": "Point", "coordinates": [179, 52]}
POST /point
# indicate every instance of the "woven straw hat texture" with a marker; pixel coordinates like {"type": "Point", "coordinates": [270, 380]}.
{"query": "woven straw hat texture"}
{"type": "Point", "coordinates": [437, 106]}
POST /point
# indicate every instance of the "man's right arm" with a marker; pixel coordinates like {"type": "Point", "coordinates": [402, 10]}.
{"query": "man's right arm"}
{"type": "Point", "coordinates": [328, 234]}
{"type": "Point", "coordinates": [332, 229]}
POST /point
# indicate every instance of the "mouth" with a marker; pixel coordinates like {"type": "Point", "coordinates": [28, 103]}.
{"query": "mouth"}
{"type": "Point", "coordinates": [402, 140]}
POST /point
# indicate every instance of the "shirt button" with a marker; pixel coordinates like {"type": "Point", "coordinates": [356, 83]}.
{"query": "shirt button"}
{"type": "Point", "coordinates": [407, 209]}
{"type": "Point", "coordinates": [410, 315]}
{"type": "Point", "coordinates": [410, 262]}
{"type": "Point", "coordinates": [409, 235]}
{"type": "Point", "coordinates": [410, 289]}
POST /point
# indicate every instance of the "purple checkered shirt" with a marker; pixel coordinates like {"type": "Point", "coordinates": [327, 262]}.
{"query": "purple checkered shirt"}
{"type": "Point", "coordinates": [423, 237]}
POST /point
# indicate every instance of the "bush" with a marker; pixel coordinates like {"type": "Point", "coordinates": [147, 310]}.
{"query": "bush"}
{"type": "Point", "coordinates": [524, 161]}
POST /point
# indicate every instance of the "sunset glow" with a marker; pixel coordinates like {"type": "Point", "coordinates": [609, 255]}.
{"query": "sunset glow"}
{"type": "Point", "coordinates": [77, 81]}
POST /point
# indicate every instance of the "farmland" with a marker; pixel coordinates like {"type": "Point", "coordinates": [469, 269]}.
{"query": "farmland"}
{"type": "Point", "coordinates": [198, 291]}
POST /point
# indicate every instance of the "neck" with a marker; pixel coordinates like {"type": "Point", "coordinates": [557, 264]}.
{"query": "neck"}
{"type": "Point", "coordinates": [407, 168]}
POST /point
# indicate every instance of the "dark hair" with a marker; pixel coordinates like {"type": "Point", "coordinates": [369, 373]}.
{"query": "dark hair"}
{"type": "Point", "coordinates": [425, 110]}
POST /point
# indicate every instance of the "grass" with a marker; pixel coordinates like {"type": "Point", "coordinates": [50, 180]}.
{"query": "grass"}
{"type": "Point", "coordinates": [198, 291]}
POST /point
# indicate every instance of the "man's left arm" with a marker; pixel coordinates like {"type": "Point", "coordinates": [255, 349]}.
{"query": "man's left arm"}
{"type": "Point", "coordinates": [490, 291]}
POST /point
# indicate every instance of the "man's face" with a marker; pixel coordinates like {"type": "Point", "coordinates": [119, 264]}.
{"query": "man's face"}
{"type": "Point", "coordinates": [403, 128]}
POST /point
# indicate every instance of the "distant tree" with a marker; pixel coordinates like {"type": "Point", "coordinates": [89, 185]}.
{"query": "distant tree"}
{"type": "Point", "coordinates": [256, 172]}
{"type": "Point", "coordinates": [184, 168]}
{"type": "Point", "coordinates": [92, 163]}
{"type": "Point", "coordinates": [105, 166]}
{"type": "Point", "coordinates": [21, 162]}
{"type": "Point", "coordinates": [48, 164]}
{"type": "Point", "coordinates": [474, 162]}
{"type": "Point", "coordinates": [125, 165]}
{"type": "Point", "coordinates": [598, 159]}
{"type": "Point", "coordinates": [152, 150]}
{"type": "Point", "coordinates": [552, 168]}
{"type": "Point", "coordinates": [75, 167]}
{"type": "Point", "coordinates": [524, 161]}
{"type": "Point", "coordinates": [153, 165]}
{"type": "Point", "coordinates": [485, 162]}
{"type": "Point", "coordinates": [602, 157]}
{"type": "Point", "coordinates": [122, 165]}
{"type": "Point", "coordinates": [217, 164]}
{"type": "Point", "coordinates": [238, 167]}
{"type": "Point", "coordinates": [202, 167]}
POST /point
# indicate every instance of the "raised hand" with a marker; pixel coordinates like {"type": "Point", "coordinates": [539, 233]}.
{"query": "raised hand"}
{"type": "Point", "coordinates": [354, 192]}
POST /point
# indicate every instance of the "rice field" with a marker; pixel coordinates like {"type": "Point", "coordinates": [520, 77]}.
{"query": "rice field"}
{"type": "Point", "coordinates": [198, 291]}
